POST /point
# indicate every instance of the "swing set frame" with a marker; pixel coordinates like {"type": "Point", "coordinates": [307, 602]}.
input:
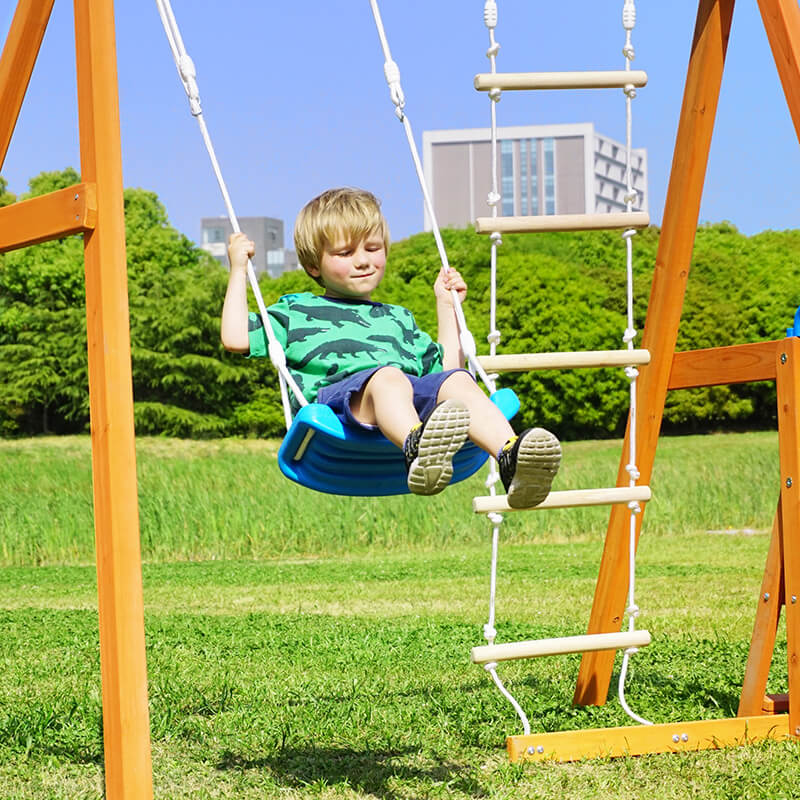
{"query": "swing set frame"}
{"type": "Point", "coordinates": [94, 208]}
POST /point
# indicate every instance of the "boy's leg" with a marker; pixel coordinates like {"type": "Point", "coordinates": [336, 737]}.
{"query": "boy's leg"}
{"type": "Point", "coordinates": [488, 428]}
{"type": "Point", "coordinates": [528, 462]}
{"type": "Point", "coordinates": [387, 401]}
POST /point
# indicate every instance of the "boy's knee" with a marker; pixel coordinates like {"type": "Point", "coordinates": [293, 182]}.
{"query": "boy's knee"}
{"type": "Point", "coordinates": [388, 376]}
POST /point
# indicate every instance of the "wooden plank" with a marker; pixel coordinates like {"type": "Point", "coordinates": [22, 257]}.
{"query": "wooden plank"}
{"type": "Point", "coordinates": [563, 222]}
{"type": "Point", "coordinates": [597, 79]}
{"type": "Point", "coordinates": [768, 612]}
{"type": "Point", "coordinates": [782, 24]}
{"type": "Point", "coordinates": [788, 385]}
{"type": "Point", "coordinates": [671, 272]}
{"type": "Point", "coordinates": [538, 648]}
{"type": "Point", "coordinates": [572, 498]}
{"type": "Point", "coordinates": [582, 359]}
{"type": "Point", "coordinates": [126, 729]}
{"type": "Point", "coordinates": [671, 737]}
{"type": "Point", "coordinates": [713, 366]}
{"type": "Point", "coordinates": [50, 216]}
{"type": "Point", "coordinates": [17, 61]}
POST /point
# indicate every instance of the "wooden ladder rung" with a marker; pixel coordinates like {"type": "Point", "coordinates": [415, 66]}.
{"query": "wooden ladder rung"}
{"type": "Point", "coordinates": [525, 362]}
{"type": "Point", "coordinates": [569, 499]}
{"type": "Point", "coordinates": [537, 648]}
{"type": "Point", "coordinates": [607, 79]}
{"type": "Point", "coordinates": [540, 223]}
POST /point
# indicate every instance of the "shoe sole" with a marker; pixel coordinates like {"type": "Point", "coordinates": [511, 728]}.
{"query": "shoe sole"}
{"type": "Point", "coordinates": [444, 433]}
{"type": "Point", "coordinates": [538, 459]}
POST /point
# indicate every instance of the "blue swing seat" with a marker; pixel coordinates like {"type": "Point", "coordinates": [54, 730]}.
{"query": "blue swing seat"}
{"type": "Point", "coordinates": [321, 453]}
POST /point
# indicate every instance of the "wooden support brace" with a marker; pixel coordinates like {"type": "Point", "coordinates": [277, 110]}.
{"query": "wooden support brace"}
{"type": "Point", "coordinates": [586, 359]}
{"type": "Point", "coordinates": [638, 740]}
{"type": "Point", "coordinates": [608, 79]}
{"type": "Point", "coordinates": [50, 216]}
{"type": "Point", "coordinates": [17, 61]}
{"type": "Point", "coordinates": [714, 366]}
{"type": "Point", "coordinates": [568, 499]}
{"type": "Point", "coordinates": [537, 648]}
{"type": "Point", "coordinates": [563, 222]}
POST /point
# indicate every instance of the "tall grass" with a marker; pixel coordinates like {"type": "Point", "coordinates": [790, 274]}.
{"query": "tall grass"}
{"type": "Point", "coordinates": [226, 499]}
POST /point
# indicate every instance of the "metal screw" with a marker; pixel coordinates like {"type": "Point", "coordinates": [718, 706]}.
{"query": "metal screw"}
{"type": "Point", "coordinates": [676, 738]}
{"type": "Point", "coordinates": [766, 596]}
{"type": "Point", "coordinates": [794, 598]}
{"type": "Point", "coordinates": [540, 749]}
{"type": "Point", "coordinates": [684, 737]}
{"type": "Point", "coordinates": [797, 731]}
{"type": "Point", "coordinates": [788, 483]}
{"type": "Point", "coordinates": [531, 750]}
{"type": "Point", "coordinates": [784, 358]}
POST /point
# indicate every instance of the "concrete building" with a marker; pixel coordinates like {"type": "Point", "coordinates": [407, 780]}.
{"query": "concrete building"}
{"type": "Point", "coordinates": [267, 233]}
{"type": "Point", "coordinates": [542, 169]}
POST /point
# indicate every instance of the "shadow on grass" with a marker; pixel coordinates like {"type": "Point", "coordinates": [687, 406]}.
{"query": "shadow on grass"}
{"type": "Point", "coordinates": [377, 772]}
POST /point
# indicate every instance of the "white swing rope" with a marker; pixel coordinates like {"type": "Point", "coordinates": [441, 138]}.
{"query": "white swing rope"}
{"type": "Point", "coordinates": [629, 21]}
{"type": "Point", "coordinates": [392, 73]}
{"type": "Point", "coordinates": [494, 336]}
{"type": "Point", "coordinates": [188, 76]}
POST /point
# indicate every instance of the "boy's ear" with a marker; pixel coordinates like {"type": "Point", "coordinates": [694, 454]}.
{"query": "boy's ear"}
{"type": "Point", "coordinates": [314, 272]}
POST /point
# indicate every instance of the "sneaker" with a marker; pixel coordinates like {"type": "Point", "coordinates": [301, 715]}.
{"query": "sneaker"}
{"type": "Point", "coordinates": [528, 463]}
{"type": "Point", "coordinates": [430, 446]}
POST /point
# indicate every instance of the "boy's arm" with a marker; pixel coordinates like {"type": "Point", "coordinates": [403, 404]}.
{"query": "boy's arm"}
{"type": "Point", "coordinates": [233, 327]}
{"type": "Point", "coordinates": [453, 357]}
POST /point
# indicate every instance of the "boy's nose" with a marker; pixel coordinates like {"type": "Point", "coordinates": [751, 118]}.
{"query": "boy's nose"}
{"type": "Point", "coordinates": [360, 258]}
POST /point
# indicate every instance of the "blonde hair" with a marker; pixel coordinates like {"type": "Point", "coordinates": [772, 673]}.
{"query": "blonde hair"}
{"type": "Point", "coordinates": [349, 213]}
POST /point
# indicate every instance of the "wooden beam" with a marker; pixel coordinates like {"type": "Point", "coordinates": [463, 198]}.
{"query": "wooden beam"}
{"type": "Point", "coordinates": [563, 222]}
{"type": "Point", "coordinates": [126, 729]}
{"type": "Point", "coordinates": [50, 216]}
{"type": "Point", "coordinates": [581, 359]}
{"type": "Point", "coordinates": [673, 259]}
{"type": "Point", "coordinates": [17, 61]}
{"type": "Point", "coordinates": [782, 24]}
{"type": "Point", "coordinates": [598, 79]}
{"type": "Point", "coordinates": [568, 499]}
{"type": "Point", "coordinates": [713, 366]}
{"type": "Point", "coordinates": [671, 737]}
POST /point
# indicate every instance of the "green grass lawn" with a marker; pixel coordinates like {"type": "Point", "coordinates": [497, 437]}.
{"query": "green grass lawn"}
{"type": "Point", "coordinates": [345, 672]}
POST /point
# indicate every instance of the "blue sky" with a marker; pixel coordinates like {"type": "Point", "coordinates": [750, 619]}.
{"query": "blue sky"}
{"type": "Point", "coordinates": [295, 99]}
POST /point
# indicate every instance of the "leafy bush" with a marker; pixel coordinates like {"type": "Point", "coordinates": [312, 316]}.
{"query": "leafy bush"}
{"type": "Point", "coordinates": [555, 292]}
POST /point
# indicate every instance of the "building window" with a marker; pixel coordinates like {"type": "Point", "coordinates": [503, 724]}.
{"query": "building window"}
{"type": "Point", "coordinates": [213, 235]}
{"type": "Point", "coordinates": [534, 176]}
{"type": "Point", "coordinates": [524, 177]}
{"type": "Point", "coordinates": [507, 176]}
{"type": "Point", "coordinates": [548, 153]}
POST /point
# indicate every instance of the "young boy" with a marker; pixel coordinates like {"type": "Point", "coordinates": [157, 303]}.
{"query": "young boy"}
{"type": "Point", "coordinates": [370, 362]}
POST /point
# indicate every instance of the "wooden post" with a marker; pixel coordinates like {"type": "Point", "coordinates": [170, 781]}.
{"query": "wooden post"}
{"type": "Point", "coordinates": [122, 646]}
{"type": "Point", "coordinates": [789, 438]}
{"type": "Point", "coordinates": [673, 259]}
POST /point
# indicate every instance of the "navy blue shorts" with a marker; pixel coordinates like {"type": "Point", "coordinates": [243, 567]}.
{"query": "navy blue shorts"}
{"type": "Point", "coordinates": [426, 392]}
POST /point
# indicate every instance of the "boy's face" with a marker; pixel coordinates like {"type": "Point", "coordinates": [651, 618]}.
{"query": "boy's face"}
{"type": "Point", "coordinates": [351, 270]}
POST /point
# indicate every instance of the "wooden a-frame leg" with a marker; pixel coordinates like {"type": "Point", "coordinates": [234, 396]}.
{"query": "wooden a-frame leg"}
{"type": "Point", "coordinates": [673, 259]}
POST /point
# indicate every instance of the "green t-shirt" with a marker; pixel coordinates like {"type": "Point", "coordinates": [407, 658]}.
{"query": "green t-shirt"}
{"type": "Point", "coordinates": [326, 339]}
